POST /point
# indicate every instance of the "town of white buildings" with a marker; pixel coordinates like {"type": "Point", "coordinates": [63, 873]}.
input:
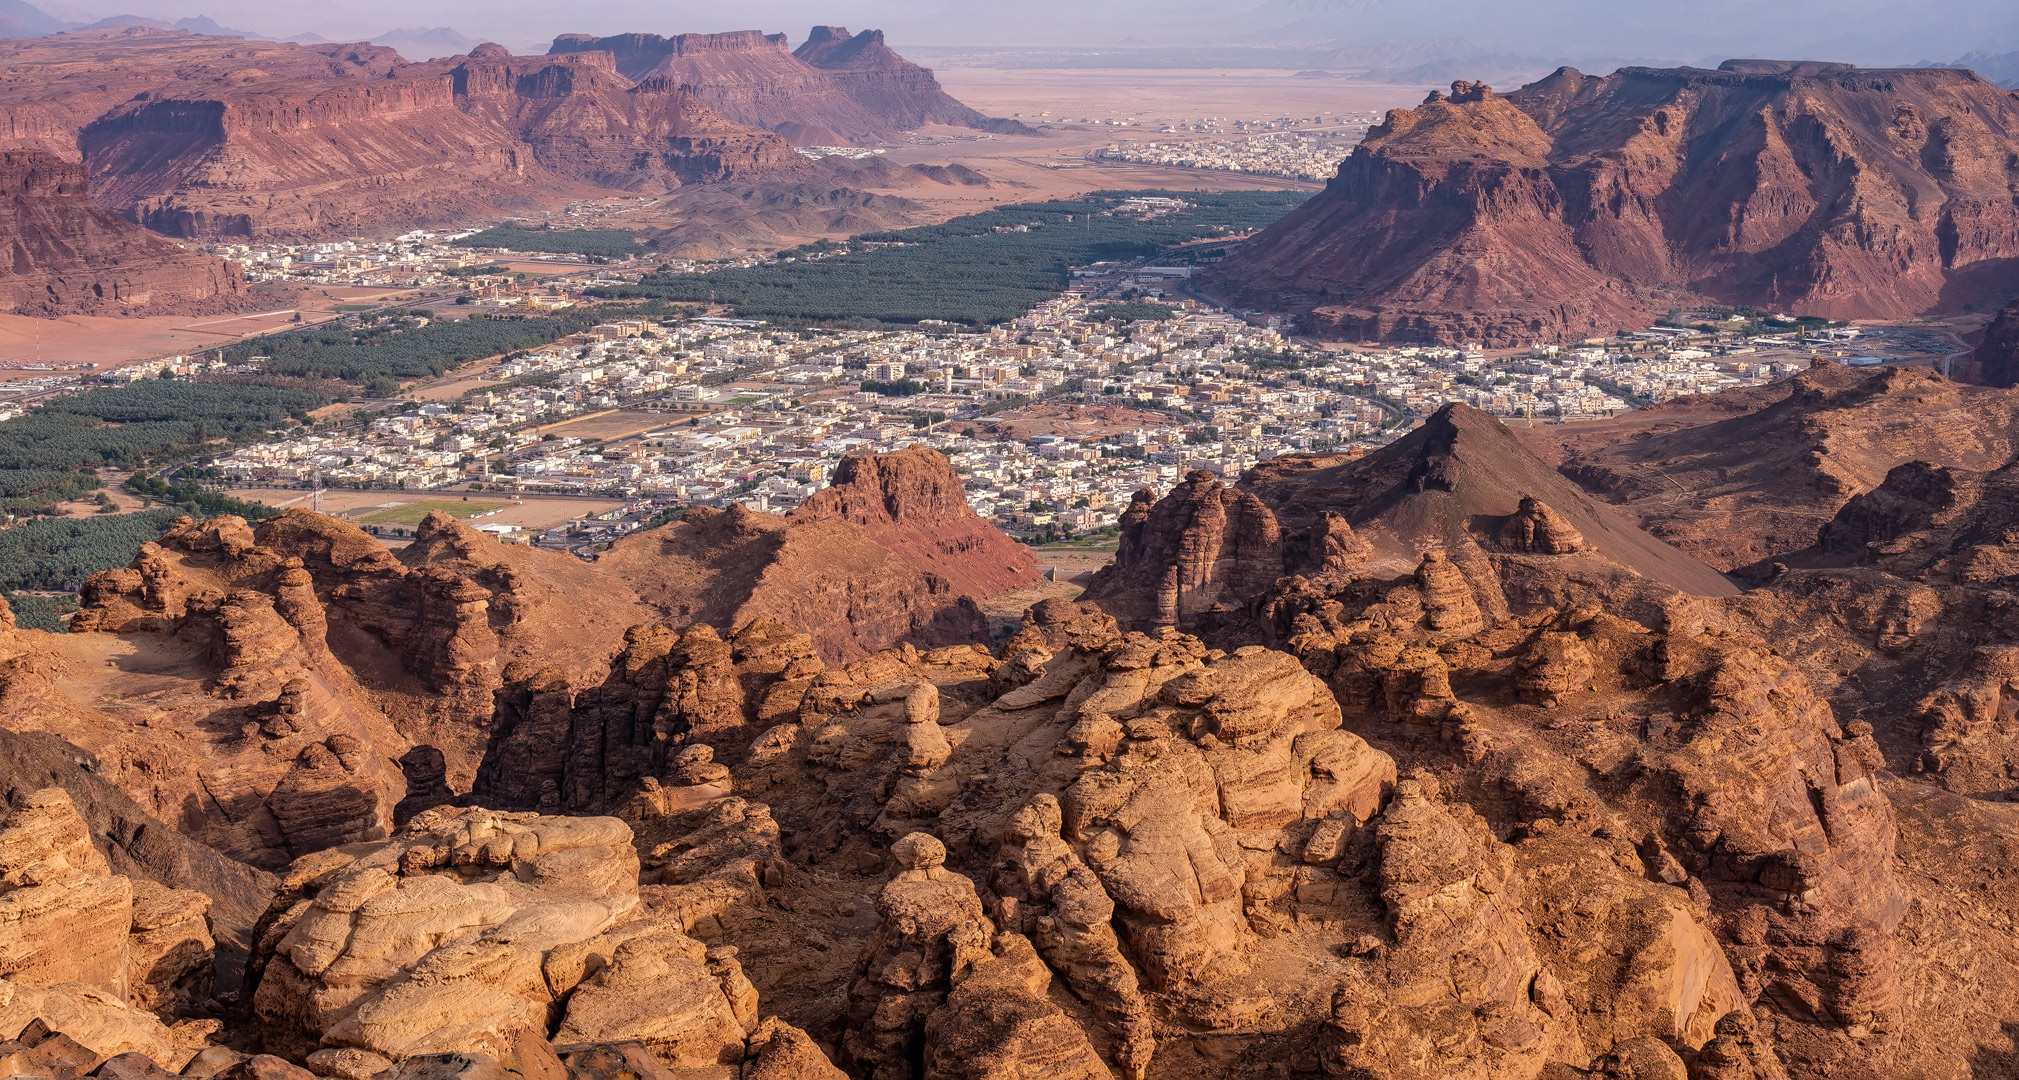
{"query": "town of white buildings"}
{"type": "Point", "coordinates": [1053, 420]}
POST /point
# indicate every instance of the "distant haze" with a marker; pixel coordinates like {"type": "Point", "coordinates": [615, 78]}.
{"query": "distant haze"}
{"type": "Point", "coordinates": [1860, 31]}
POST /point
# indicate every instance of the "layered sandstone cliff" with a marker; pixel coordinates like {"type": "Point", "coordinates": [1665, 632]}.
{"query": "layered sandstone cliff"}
{"type": "Point", "coordinates": [835, 89]}
{"type": "Point", "coordinates": [70, 256]}
{"type": "Point", "coordinates": [424, 143]}
{"type": "Point", "coordinates": [1581, 205]}
{"type": "Point", "coordinates": [905, 94]}
{"type": "Point", "coordinates": [210, 136]}
{"type": "Point", "coordinates": [1996, 359]}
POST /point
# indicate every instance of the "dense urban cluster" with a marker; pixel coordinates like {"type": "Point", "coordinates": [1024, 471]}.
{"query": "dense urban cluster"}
{"type": "Point", "coordinates": [410, 260]}
{"type": "Point", "coordinates": [423, 259]}
{"type": "Point", "coordinates": [1296, 154]}
{"type": "Point", "coordinates": [1054, 419]}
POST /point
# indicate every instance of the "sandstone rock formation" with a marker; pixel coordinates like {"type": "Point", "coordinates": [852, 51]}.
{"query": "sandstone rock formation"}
{"type": "Point", "coordinates": [222, 137]}
{"type": "Point", "coordinates": [484, 936]}
{"type": "Point", "coordinates": [836, 89]}
{"type": "Point", "coordinates": [891, 551]}
{"type": "Point", "coordinates": [1743, 478]}
{"type": "Point", "coordinates": [452, 138]}
{"type": "Point", "coordinates": [86, 954]}
{"type": "Point", "coordinates": [165, 866]}
{"type": "Point", "coordinates": [1206, 555]}
{"type": "Point", "coordinates": [903, 94]}
{"type": "Point", "coordinates": [1996, 360]}
{"type": "Point", "coordinates": [345, 689]}
{"type": "Point", "coordinates": [72, 257]}
{"type": "Point", "coordinates": [1446, 777]}
{"type": "Point", "coordinates": [1505, 219]}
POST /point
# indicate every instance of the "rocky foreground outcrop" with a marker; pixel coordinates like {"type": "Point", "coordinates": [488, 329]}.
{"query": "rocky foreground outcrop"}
{"type": "Point", "coordinates": [1558, 211]}
{"type": "Point", "coordinates": [70, 256]}
{"type": "Point", "coordinates": [90, 954]}
{"type": "Point", "coordinates": [1417, 773]}
{"type": "Point", "coordinates": [304, 687]}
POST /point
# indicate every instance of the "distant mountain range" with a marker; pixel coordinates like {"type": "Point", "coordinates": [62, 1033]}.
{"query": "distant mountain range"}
{"type": "Point", "coordinates": [19, 19]}
{"type": "Point", "coordinates": [2000, 68]}
{"type": "Point", "coordinates": [427, 43]}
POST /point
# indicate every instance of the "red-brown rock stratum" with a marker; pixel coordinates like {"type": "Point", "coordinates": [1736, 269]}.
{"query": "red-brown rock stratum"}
{"type": "Point", "coordinates": [1581, 205]}
{"type": "Point", "coordinates": [69, 255]}
{"type": "Point", "coordinates": [222, 137]}
{"type": "Point", "coordinates": [836, 88]}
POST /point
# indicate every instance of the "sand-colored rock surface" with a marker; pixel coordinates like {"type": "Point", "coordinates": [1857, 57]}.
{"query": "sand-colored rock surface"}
{"type": "Point", "coordinates": [1448, 497]}
{"type": "Point", "coordinates": [1418, 764]}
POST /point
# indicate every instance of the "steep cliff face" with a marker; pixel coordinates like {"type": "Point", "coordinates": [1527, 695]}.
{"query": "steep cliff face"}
{"type": "Point", "coordinates": [834, 89]}
{"type": "Point", "coordinates": [247, 158]}
{"type": "Point", "coordinates": [51, 88]}
{"type": "Point", "coordinates": [1563, 209]}
{"type": "Point", "coordinates": [427, 143]}
{"type": "Point", "coordinates": [904, 93]}
{"type": "Point", "coordinates": [71, 256]}
{"type": "Point", "coordinates": [1996, 361]}
{"type": "Point", "coordinates": [585, 121]}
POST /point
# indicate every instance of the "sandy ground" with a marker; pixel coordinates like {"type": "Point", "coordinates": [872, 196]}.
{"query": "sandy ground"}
{"type": "Point", "coordinates": [616, 425]}
{"type": "Point", "coordinates": [450, 390]}
{"type": "Point", "coordinates": [1055, 163]}
{"type": "Point", "coordinates": [1164, 95]}
{"type": "Point", "coordinates": [69, 343]}
{"type": "Point", "coordinates": [1074, 566]}
{"type": "Point", "coordinates": [534, 512]}
{"type": "Point", "coordinates": [1067, 572]}
{"type": "Point", "coordinates": [1005, 611]}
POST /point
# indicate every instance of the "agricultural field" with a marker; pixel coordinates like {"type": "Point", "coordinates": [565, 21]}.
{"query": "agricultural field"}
{"type": "Point", "coordinates": [977, 270]}
{"type": "Point", "coordinates": [620, 424]}
{"type": "Point", "coordinates": [608, 243]}
{"type": "Point", "coordinates": [412, 513]}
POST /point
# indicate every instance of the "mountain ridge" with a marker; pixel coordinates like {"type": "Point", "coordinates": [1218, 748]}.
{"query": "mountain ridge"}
{"type": "Point", "coordinates": [1579, 205]}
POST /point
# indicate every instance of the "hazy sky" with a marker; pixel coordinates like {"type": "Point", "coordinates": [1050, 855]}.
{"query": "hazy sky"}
{"type": "Point", "coordinates": [1865, 31]}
